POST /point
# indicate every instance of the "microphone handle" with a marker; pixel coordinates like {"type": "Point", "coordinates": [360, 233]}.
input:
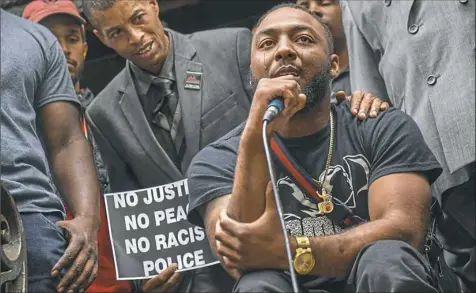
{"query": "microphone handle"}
{"type": "Point", "coordinates": [274, 108]}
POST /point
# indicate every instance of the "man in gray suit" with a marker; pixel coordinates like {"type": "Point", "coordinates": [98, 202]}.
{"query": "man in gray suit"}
{"type": "Point", "coordinates": [420, 56]}
{"type": "Point", "coordinates": [177, 94]}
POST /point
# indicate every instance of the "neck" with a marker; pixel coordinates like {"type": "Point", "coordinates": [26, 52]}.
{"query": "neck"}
{"type": "Point", "coordinates": [304, 124]}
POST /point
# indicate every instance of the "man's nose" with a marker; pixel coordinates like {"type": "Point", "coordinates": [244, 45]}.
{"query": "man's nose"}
{"type": "Point", "coordinates": [316, 8]}
{"type": "Point", "coordinates": [65, 48]}
{"type": "Point", "coordinates": [285, 50]}
{"type": "Point", "coordinates": [135, 37]}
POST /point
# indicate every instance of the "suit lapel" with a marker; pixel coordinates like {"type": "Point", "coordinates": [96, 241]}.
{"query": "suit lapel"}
{"type": "Point", "coordinates": [140, 127]}
{"type": "Point", "coordinates": [190, 99]}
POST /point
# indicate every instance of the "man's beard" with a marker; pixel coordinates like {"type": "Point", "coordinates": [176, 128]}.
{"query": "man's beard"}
{"type": "Point", "coordinates": [315, 91]}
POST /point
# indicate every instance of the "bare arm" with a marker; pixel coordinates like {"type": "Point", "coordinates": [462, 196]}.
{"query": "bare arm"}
{"type": "Point", "coordinates": [72, 164]}
{"type": "Point", "coordinates": [70, 156]}
{"type": "Point", "coordinates": [398, 207]}
{"type": "Point", "coordinates": [247, 201]}
{"type": "Point", "coordinates": [210, 215]}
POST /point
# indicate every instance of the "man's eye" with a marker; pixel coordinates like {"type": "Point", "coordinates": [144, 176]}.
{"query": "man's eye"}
{"type": "Point", "coordinates": [73, 40]}
{"type": "Point", "coordinates": [304, 39]}
{"type": "Point", "coordinates": [266, 44]}
{"type": "Point", "coordinates": [139, 18]}
{"type": "Point", "coordinates": [114, 34]}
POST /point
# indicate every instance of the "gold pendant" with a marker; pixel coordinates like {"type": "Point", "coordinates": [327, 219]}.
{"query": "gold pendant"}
{"type": "Point", "coordinates": [326, 206]}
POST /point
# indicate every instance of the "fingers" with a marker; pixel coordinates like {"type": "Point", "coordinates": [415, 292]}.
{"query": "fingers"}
{"type": "Point", "coordinates": [225, 237]}
{"type": "Point", "coordinates": [384, 106]}
{"type": "Point", "coordinates": [355, 100]}
{"type": "Point", "coordinates": [283, 86]}
{"type": "Point", "coordinates": [91, 278]}
{"type": "Point", "coordinates": [82, 282]}
{"type": "Point", "coordinates": [74, 247]}
{"type": "Point", "coordinates": [291, 93]}
{"type": "Point", "coordinates": [75, 270]}
{"type": "Point", "coordinates": [225, 251]}
{"type": "Point", "coordinates": [171, 285]}
{"type": "Point", "coordinates": [160, 279]}
{"type": "Point", "coordinates": [365, 106]}
{"type": "Point", "coordinates": [230, 265]}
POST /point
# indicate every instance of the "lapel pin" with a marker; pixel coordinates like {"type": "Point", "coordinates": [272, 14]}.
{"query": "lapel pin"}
{"type": "Point", "coordinates": [193, 80]}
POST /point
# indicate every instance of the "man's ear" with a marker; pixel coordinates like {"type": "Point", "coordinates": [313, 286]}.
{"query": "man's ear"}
{"type": "Point", "coordinates": [85, 49]}
{"type": "Point", "coordinates": [334, 60]}
{"type": "Point", "coordinates": [155, 5]}
{"type": "Point", "coordinates": [100, 36]}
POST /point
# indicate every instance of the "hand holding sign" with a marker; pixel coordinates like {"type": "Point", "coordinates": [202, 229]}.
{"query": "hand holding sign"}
{"type": "Point", "coordinates": [168, 280]}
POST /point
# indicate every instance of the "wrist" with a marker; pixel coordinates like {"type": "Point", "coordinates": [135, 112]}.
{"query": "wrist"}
{"type": "Point", "coordinates": [91, 220]}
{"type": "Point", "coordinates": [251, 137]}
{"type": "Point", "coordinates": [304, 260]}
{"type": "Point", "coordinates": [293, 246]}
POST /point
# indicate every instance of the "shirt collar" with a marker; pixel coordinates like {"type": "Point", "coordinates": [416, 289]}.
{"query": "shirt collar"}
{"type": "Point", "coordinates": [144, 79]}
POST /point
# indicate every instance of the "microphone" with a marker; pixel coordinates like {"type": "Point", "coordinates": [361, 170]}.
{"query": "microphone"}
{"type": "Point", "coordinates": [274, 108]}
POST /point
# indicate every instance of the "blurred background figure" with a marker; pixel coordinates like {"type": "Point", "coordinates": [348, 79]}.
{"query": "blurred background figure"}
{"type": "Point", "coordinates": [330, 14]}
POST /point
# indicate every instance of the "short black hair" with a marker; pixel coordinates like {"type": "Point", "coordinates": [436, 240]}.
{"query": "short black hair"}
{"type": "Point", "coordinates": [101, 5]}
{"type": "Point", "coordinates": [328, 34]}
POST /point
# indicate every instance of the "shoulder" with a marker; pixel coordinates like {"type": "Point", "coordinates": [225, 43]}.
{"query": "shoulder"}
{"type": "Point", "coordinates": [392, 116]}
{"type": "Point", "coordinates": [224, 148]}
{"type": "Point", "coordinates": [222, 43]}
{"type": "Point", "coordinates": [219, 36]}
{"type": "Point", "coordinates": [25, 30]}
{"type": "Point", "coordinates": [387, 128]}
{"type": "Point", "coordinates": [109, 95]}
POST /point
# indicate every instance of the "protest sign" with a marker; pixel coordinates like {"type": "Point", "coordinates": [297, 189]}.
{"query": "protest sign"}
{"type": "Point", "coordinates": [149, 231]}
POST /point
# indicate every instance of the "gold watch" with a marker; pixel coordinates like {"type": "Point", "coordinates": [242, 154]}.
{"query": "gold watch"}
{"type": "Point", "coordinates": [304, 260]}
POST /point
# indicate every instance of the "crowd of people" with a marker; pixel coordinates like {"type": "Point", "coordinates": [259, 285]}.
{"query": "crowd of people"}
{"type": "Point", "coordinates": [387, 138]}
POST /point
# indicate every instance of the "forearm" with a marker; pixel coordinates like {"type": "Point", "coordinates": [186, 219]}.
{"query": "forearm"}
{"type": "Point", "coordinates": [247, 201]}
{"type": "Point", "coordinates": [76, 177]}
{"type": "Point", "coordinates": [335, 254]}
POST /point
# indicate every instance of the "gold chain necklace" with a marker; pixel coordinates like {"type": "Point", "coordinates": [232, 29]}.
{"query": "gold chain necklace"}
{"type": "Point", "coordinates": [326, 206]}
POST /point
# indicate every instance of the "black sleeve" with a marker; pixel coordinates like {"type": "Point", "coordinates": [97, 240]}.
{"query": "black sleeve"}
{"type": "Point", "coordinates": [396, 145]}
{"type": "Point", "coordinates": [211, 175]}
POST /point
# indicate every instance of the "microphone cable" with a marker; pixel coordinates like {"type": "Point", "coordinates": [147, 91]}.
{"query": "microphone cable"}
{"type": "Point", "coordinates": [277, 199]}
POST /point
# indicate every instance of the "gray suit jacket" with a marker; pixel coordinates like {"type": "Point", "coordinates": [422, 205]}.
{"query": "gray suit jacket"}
{"type": "Point", "coordinates": [136, 160]}
{"type": "Point", "coordinates": [133, 156]}
{"type": "Point", "coordinates": [420, 56]}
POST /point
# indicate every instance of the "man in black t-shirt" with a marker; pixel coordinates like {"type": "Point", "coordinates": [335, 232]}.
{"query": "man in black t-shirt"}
{"type": "Point", "coordinates": [380, 168]}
